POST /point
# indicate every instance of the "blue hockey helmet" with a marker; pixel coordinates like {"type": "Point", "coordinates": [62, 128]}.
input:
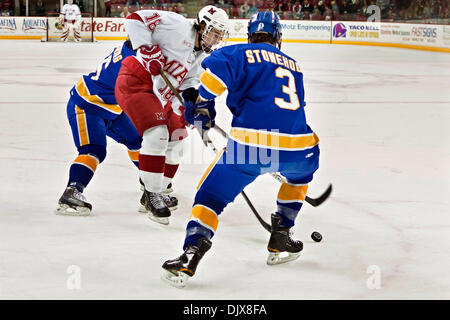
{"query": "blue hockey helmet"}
{"type": "Point", "coordinates": [265, 22]}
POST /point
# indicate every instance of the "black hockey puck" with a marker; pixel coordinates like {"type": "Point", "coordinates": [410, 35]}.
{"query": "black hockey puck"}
{"type": "Point", "coordinates": [316, 236]}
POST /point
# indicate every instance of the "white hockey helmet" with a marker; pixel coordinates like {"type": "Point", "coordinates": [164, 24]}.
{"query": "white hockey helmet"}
{"type": "Point", "coordinates": [216, 29]}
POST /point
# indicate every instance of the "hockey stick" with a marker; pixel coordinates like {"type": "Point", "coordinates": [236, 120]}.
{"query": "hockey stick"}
{"type": "Point", "coordinates": [209, 143]}
{"type": "Point", "coordinates": [312, 201]}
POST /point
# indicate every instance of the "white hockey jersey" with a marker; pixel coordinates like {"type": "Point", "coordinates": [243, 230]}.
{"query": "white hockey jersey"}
{"type": "Point", "coordinates": [175, 36]}
{"type": "Point", "coordinates": [71, 12]}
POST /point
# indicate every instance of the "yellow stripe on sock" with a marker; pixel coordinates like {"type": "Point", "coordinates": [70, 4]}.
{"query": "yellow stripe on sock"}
{"type": "Point", "coordinates": [206, 216]}
{"type": "Point", "coordinates": [134, 155]}
{"type": "Point", "coordinates": [290, 192]}
{"type": "Point", "coordinates": [88, 161]}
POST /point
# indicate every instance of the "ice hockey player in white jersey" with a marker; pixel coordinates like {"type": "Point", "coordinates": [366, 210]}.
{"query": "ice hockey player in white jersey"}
{"type": "Point", "coordinates": [164, 40]}
{"type": "Point", "coordinates": [70, 17]}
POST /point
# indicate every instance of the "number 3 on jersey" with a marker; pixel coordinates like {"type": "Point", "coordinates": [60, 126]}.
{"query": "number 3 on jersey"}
{"type": "Point", "coordinates": [291, 90]}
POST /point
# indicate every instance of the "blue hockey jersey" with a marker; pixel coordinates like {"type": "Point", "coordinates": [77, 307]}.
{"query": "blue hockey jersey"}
{"type": "Point", "coordinates": [265, 96]}
{"type": "Point", "coordinates": [95, 92]}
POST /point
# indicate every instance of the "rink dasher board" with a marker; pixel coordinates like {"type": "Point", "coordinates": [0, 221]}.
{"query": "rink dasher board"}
{"type": "Point", "coordinates": [403, 35]}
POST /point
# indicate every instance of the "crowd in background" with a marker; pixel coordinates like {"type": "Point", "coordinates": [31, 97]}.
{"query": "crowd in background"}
{"type": "Point", "coordinates": [390, 10]}
{"type": "Point", "coordinates": [123, 8]}
{"type": "Point", "coordinates": [356, 10]}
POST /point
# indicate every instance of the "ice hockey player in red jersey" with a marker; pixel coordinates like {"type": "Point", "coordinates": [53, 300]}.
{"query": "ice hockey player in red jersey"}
{"type": "Point", "coordinates": [164, 40]}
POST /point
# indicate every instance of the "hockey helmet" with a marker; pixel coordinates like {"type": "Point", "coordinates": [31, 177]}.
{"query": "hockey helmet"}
{"type": "Point", "coordinates": [266, 22]}
{"type": "Point", "coordinates": [216, 28]}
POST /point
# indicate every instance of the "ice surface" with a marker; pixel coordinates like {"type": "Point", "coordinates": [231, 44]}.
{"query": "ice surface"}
{"type": "Point", "coordinates": [383, 117]}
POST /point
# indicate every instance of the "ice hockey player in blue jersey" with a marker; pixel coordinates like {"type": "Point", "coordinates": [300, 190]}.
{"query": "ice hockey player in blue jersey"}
{"type": "Point", "coordinates": [269, 134]}
{"type": "Point", "coordinates": [94, 114]}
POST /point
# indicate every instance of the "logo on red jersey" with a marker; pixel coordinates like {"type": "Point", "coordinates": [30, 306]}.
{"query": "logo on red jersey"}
{"type": "Point", "coordinates": [160, 116]}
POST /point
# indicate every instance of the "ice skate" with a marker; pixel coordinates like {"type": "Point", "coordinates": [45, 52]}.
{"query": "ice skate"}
{"type": "Point", "coordinates": [177, 271]}
{"type": "Point", "coordinates": [73, 203]}
{"type": "Point", "coordinates": [282, 248]}
{"type": "Point", "coordinates": [170, 201]}
{"type": "Point", "coordinates": [155, 206]}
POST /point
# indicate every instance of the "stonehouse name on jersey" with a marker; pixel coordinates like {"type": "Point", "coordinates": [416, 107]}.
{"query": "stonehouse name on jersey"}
{"type": "Point", "coordinates": [232, 309]}
{"type": "Point", "coordinates": [257, 56]}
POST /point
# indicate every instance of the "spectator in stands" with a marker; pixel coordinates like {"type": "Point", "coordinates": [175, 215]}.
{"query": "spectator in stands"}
{"type": "Point", "coordinates": [244, 9]}
{"type": "Point", "coordinates": [39, 8]}
{"type": "Point", "coordinates": [125, 13]}
{"type": "Point", "coordinates": [316, 16]}
{"type": "Point", "coordinates": [253, 9]}
{"type": "Point", "coordinates": [327, 14]}
{"type": "Point", "coordinates": [279, 10]}
{"type": "Point", "coordinates": [335, 7]}
{"type": "Point", "coordinates": [132, 2]}
{"type": "Point", "coordinates": [306, 7]}
{"type": "Point", "coordinates": [297, 10]}
{"type": "Point", "coordinates": [7, 8]}
{"type": "Point", "coordinates": [23, 7]}
{"type": "Point", "coordinates": [321, 7]}
{"type": "Point", "coordinates": [80, 5]}
{"type": "Point", "coordinates": [182, 10]}
{"type": "Point", "coordinates": [306, 15]}
{"type": "Point", "coordinates": [426, 11]}
{"type": "Point", "coordinates": [107, 8]}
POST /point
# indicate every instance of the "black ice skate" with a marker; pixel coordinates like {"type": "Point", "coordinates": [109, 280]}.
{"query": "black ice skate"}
{"type": "Point", "coordinates": [157, 209]}
{"type": "Point", "coordinates": [179, 270]}
{"type": "Point", "coordinates": [73, 203]}
{"type": "Point", "coordinates": [170, 201]}
{"type": "Point", "coordinates": [282, 248]}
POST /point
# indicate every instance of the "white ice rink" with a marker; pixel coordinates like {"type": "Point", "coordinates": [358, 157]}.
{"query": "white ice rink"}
{"type": "Point", "coordinates": [383, 117]}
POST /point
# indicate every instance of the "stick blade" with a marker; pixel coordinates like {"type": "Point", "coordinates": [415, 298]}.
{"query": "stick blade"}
{"type": "Point", "coordinates": [318, 201]}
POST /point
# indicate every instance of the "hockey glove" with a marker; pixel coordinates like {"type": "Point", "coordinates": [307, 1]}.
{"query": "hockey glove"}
{"type": "Point", "coordinates": [200, 115]}
{"type": "Point", "coordinates": [190, 94]}
{"type": "Point", "coordinates": [152, 58]}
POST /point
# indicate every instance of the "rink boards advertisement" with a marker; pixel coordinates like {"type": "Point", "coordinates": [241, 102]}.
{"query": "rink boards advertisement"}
{"type": "Point", "coordinates": [416, 36]}
{"type": "Point", "coordinates": [395, 34]}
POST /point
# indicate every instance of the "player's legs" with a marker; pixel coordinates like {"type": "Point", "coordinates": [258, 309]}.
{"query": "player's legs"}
{"type": "Point", "coordinates": [76, 27]}
{"type": "Point", "coordinates": [177, 133]}
{"type": "Point", "coordinates": [65, 31]}
{"type": "Point", "coordinates": [134, 94]}
{"type": "Point", "coordinates": [298, 174]}
{"type": "Point", "coordinates": [219, 186]}
{"type": "Point", "coordinates": [89, 134]}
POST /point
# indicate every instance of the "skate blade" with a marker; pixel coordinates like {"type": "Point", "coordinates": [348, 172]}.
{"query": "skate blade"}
{"type": "Point", "coordinates": [142, 209]}
{"type": "Point", "coordinates": [175, 278]}
{"type": "Point", "coordinates": [65, 210]}
{"type": "Point", "coordinates": [161, 220]}
{"type": "Point", "coordinates": [275, 258]}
